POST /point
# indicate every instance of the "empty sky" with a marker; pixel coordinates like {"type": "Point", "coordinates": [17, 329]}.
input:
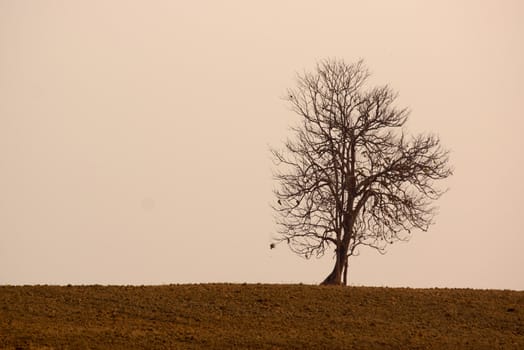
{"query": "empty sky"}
{"type": "Point", "coordinates": [134, 136]}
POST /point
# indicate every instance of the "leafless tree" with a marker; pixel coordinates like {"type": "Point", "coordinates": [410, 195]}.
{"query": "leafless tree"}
{"type": "Point", "coordinates": [349, 176]}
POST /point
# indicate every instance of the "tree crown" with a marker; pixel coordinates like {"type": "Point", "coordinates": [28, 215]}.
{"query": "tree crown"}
{"type": "Point", "coordinates": [350, 176]}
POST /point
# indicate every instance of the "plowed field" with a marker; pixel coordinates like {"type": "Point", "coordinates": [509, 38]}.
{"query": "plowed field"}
{"type": "Point", "coordinates": [233, 316]}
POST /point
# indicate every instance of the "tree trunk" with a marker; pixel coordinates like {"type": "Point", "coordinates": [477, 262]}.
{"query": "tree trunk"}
{"type": "Point", "coordinates": [345, 282]}
{"type": "Point", "coordinates": [335, 277]}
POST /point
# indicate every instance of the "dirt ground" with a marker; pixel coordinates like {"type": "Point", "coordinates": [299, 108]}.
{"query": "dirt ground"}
{"type": "Point", "coordinates": [233, 316]}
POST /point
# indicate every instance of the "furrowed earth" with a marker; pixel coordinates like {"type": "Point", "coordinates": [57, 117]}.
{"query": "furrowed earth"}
{"type": "Point", "coordinates": [257, 316]}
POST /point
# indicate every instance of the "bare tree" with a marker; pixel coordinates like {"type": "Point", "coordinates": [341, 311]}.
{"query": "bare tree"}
{"type": "Point", "coordinates": [350, 177]}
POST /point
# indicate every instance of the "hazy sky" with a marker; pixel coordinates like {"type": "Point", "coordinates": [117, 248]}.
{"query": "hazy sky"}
{"type": "Point", "coordinates": [134, 136]}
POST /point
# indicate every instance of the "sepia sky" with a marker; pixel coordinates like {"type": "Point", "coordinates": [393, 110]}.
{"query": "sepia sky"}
{"type": "Point", "coordinates": [135, 135]}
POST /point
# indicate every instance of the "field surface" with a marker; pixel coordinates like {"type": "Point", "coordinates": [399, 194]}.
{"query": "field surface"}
{"type": "Point", "coordinates": [233, 316]}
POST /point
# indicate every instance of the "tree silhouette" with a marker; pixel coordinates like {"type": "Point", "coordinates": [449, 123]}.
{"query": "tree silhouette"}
{"type": "Point", "coordinates": [349, 176]}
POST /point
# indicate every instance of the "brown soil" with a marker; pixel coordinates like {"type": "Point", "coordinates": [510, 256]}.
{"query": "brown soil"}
{"type": "Point", "coordinates": [224, 316]}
